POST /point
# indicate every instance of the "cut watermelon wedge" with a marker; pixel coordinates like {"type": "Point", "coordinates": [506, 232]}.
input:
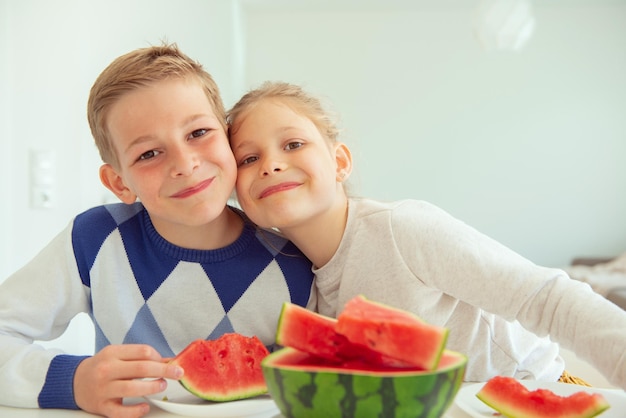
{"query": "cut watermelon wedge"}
{"type": "Point", "coordinates": [512, 399]}
{"type": "Point", "coordinates": [392, 332]}
{"type": "Point", "coordinates": [315, 334]}
{"type": "Point", "coordinates": [224, 369]}
{"type": "Point", "coordinates": [365, 331]}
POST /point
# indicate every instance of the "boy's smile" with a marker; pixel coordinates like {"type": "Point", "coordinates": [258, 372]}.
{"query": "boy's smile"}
{"type": "Point", "coordinates": [190, 191]}
{"type": "Point", "coordinates": [174, 156]}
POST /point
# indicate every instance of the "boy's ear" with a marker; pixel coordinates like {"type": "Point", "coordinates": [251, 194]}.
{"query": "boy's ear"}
{"type": "Point", "coordinates": [343, 157]}
{"type": "Point", "coordinates": [114, 182]}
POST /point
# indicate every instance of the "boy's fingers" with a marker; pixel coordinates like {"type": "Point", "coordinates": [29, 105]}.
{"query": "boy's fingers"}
{"type": "Point", "coordinates": [118, 410]}
{"type": "Point", "coordinates": [136, 352]}
{"type": "Point", "coordinates": [146, 369]}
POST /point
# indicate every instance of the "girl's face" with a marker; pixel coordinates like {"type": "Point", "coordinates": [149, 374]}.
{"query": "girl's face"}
{"type": "Point", "coordinates": [287, 171]}
{"type": "Point", "coordinates": [174, 155]}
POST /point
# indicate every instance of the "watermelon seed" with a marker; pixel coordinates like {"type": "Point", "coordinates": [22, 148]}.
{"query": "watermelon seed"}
{"type": "Point", "coordinates": [250, 362]}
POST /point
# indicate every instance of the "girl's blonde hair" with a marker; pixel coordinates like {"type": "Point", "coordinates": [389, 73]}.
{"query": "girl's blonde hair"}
{"type": "Point", "coordinates": [137, 69]}
{"type": "Point", "coordinates": [291, 95]}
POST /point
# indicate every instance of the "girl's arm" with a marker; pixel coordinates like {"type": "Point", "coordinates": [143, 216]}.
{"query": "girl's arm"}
{"type": "Point", "coordinates": [464, 263]}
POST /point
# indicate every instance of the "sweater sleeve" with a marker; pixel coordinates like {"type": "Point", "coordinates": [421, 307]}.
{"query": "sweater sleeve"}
{"type": "Point", "coordinates": [473, 268]}
{"type": "Point", "coordinates": [37, 303]}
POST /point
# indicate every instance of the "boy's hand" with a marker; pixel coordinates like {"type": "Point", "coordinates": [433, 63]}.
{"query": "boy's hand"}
{"type": "Point", "coordinates": [102, 381]}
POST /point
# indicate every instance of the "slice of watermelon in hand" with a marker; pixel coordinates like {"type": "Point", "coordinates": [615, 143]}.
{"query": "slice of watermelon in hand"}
{"type": "Point", "coordinates": [224, 369]}
{"type": "Point", "coordinates": [512, 399]}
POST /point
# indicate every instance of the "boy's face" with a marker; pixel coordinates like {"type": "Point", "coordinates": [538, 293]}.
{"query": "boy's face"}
{"type": "Point", "coordinates": [174, 154]}
{"type": "Point", "coordinates": [287, 172]}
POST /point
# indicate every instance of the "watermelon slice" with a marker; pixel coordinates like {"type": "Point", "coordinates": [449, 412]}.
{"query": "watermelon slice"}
{"type": "Point", "coordinates": [315, 334]}
{"type": "Point", "coordinates": [512, 399]}
{"type": "Point", "coordinates": [365, 331]}
{"type": "Point", "coordinates": [392, 332]}
{"type": "Point", "coordinates": [224, 369]}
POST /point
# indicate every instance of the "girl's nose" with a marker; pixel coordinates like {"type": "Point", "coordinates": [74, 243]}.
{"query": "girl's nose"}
{"type": "Point", "coordinates": [271, 166]}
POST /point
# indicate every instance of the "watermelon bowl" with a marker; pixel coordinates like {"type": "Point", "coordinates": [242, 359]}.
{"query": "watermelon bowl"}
{"type": "Point", "coordinates": [303, 386]}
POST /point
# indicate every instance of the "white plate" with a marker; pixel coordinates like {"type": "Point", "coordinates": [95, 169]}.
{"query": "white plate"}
{"type": "Point", "coordinates": [180, 401]}
{"type": "Point", "coordinates": [466, 398]}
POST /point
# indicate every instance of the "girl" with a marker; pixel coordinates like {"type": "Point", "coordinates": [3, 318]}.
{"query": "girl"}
{"type": "Point", "coordinates": [503, 311]}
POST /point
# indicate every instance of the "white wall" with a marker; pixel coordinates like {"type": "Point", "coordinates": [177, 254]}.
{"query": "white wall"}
{"type": "Point", "coordinates": [55, 51]}
{"type": "Point", "coordinates": [5, 155]}
{"type": "Point", "coordinates": [52, 53]}
{"type": "Point", "coordinates": [528, 147]}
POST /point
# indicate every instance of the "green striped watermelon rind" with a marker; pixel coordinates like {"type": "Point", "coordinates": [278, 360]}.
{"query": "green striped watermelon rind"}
{"type": "Point", "coordinates": [302, 390]}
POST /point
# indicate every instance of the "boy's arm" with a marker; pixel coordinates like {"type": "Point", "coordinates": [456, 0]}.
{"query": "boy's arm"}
{"type": "Point", "coordinates": [37, 303]}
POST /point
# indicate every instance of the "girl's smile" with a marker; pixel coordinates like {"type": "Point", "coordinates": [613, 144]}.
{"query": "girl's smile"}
{"type": "Point", "coordinates": [281, 187]}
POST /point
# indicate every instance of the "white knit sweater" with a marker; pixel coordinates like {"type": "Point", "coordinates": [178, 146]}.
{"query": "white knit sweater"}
{"type": "Point", "coordinates": [501, 309]}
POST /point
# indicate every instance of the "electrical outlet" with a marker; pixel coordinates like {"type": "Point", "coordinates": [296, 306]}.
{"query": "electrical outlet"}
{"type": "Point", "coordinates": [42, 179]}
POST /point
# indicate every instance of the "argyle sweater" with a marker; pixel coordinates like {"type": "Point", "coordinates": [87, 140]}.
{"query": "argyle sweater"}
{"type": "Point", "coordinates": [138, 288]}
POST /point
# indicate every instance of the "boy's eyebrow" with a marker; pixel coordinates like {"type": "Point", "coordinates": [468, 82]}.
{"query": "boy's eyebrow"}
{"type": "Point", "coordinates": [187, 121]}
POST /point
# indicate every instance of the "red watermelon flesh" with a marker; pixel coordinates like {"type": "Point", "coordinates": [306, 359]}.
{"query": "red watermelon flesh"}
{"type": "Point", "coordinates": [224, 369]}
{"type": "Point", "coordinates": [512, 399]}
{"type": "Point", "coordinates": [392, 332]}
{"type": "Point", "coordinates": [301, 360]}
{"type": "Point", "coordinates": [315, 334]}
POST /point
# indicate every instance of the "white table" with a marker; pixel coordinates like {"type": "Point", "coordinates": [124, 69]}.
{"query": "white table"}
{"type": "Point", "coordinates": [155, 412]}
{"type": "Point", "coordinates": [7, 412]}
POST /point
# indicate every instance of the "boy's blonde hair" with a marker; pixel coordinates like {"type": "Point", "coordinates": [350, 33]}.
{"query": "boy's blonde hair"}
{"type": "Point", "coordinates": [293, 96]}
{"type": "Point", "coordinates": [136, 69]}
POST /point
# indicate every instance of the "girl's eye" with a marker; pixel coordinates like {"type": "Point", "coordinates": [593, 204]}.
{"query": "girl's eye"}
{"type": "Point", "coordinates": [149, 154]}
{"type": "Point", "coordinates": [198, 133]}
{"type": "Point", "coordinates": [293, 145]}
{"type": "Point", "coordinates": [248, 160]}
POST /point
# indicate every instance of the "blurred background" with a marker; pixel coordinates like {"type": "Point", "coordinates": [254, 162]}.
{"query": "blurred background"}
{"type": "Point", "coordinates": [510, 115]}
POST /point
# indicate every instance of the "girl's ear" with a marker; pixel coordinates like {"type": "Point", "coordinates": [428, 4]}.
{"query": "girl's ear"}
{"type": "Point", "coordinates": [115, 183]}
{"type": "Point", "coordinates": [343, 158]}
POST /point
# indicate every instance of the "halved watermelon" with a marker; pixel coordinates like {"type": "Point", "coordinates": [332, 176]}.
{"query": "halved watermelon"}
{"type": "Point", "coordinates": [392, 332]}
{"type": "Point", "coordinates": [303, 385]}
{"type": "Point", "coordinates": [512, 399]}
{"type": "Point", "coordinates": [224, 369]}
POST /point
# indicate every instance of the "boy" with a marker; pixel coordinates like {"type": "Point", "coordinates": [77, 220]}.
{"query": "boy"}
{"type": "Point", "coordinates": [170, 264]}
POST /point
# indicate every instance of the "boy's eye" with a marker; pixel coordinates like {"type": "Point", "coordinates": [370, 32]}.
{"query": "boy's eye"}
{"type": "Point", "coordinates": [293, 145]}
{"type": "Point", "coordinates": [148, 155]}
{"type": "Point", "coordinates": [198, 133]}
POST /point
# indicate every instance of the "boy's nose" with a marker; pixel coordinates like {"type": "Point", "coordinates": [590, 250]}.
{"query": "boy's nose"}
{"type": "Point", "coordinates": [183, 162]}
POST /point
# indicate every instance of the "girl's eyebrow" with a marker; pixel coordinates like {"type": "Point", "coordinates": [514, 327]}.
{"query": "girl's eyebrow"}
{"type": "Point", "coordinates": [279, 131]}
